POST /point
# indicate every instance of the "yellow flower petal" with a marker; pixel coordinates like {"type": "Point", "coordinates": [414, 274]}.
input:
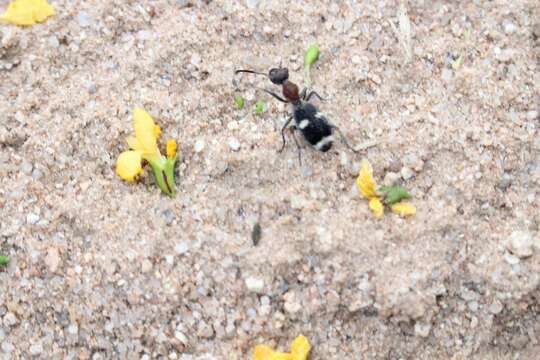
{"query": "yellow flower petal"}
{"type": "Point", "coordinates": [27, 12]}
{"type": "Point", "coordinates": [376, 207]}
{"type": "Point", "coordinates": [281, 356]}
{"type": "Point", "coordinates": [134, 144]}
{"type": "Point", "coordinates": [300, 348]}
{"type": "Point", "coordinates": [128, 165]}
{"type": "Point", "coordinates": [145, 131]}
{"type": "Point", "coordinates": [265, 352]}
{"type": "Point", "coordinates": [365, 182]}
{"type": "Point", "coordinates": [157, 131]}
{"type": "Point", "coordinates": [171, 149]}
{"type": "Point", "coordinates": [404, 209]}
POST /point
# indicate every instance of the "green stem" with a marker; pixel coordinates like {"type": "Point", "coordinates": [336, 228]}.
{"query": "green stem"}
{"type": "Point", "coordinates": [164, 173]}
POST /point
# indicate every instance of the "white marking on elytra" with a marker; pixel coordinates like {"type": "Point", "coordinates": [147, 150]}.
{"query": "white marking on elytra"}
{"type": "Point", "coordinates": [319, 115]}
{"type": "Point", "coordinates": [325, 140]}
{"type": "Point", "coordinates": [303, 124]}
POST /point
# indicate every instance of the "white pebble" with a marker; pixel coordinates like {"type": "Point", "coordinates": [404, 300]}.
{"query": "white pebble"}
{"type": "Point", "coordinates": [7, 347]}
{"type": "Point", "coordinates": [36, 349]}
{"type": "Point", "coordinates": [406, 173]}
{"type": "Point", "coordinates": [532, 114]}
{"type": "Point", "coordinates": [181, 248]}
{"type": "Point", "coordinates": [511, 259]}
{"type": "Point", "coordinates": [84, 19]}
{"type": "Point", "coordinates": [254, 284]}
{"type": "Point", "coordinates": [234, 144]}
{"type": "Point", "coordinates": [199, 146]}
{"type": "Point", "coordinates": [73, 329]}
{"type": "Point", "coordinates": [10, 319]}
{"type": "Point", "coordinates": [181, 337]}
{"type": "Point", "coordinates": [146, 266]}
{"type": "Point", "coordinates": [32, 218]}
{"type": "Point", "coordinates": [421, 329]}
{"type": "Point", "coordinates": [509, 27]}
{"type": "Point", "coordinates": [53, 41]}
{"type": "Point", "coordinates": [496, 307]}
{"type": "Point", "coordinates": [520, 244]}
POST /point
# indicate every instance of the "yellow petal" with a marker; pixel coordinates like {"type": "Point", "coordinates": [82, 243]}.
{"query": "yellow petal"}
{"type": "Point", "coordinates": [171, 149]}
{"type": "Point", "coordinates": [262, 352]}
{"type": "Point", "coordinates": [365, 182]}
{"type": "Point", "coordinates": [134, 144]}
{"type": "Point", "coordinates": [404, 209]}
{"type": "Point", "coordinates": [281, 356]}
{"type": "Point", "coordinates": [128, 165]}
{"type": "Point", "coordinates": [157, 131]}
{"type": "Point", "coordinates": [27, 12]}
{"type": "Point", "coordinates": [300, 348]}
{"type": "Point", "coordinates": [376, 207]}
{"type": "Point", "coordinates": [265, 352]}
{"type": "Point", "coordinates": [145, 131]}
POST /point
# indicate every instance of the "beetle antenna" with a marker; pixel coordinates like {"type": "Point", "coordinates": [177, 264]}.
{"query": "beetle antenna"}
{"type": "Point", "coordinates": [250, 71]}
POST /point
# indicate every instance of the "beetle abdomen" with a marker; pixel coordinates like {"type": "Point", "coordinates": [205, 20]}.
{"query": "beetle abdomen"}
{"type": "Point", "coordinates": [314, 126]}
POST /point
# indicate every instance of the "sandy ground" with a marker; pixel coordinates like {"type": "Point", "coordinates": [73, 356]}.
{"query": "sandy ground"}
{"type": "Point", "coordinates": [103, 269]}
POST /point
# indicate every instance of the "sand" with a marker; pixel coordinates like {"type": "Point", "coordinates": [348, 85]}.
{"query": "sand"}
{"type": "Point", "coordinates": [104, 269]}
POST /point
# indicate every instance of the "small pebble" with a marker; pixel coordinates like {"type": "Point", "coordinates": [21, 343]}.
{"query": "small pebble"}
{"type": "Point", "coordinates": [520, 244]}
{"type": "Point", "coordinates": [181, 248]}
{"type": "Point", "coordinates": [407, 173]}
{"type": "Point", "coordinates": [254, 284]}
{"type": "Point", "coordinates": [169, 217]}
{"type": "Point", "coordinates": [181, 337]}
{"type": "Point", "coordinates": [234, 144]}
{"type": "Point", "coordinates": [52, 259]}
{"type": "Point", "coordinates": [53, 41]}
{"type": "Point", "coordinates": [73, 329]}
{"type": "Point", "coordinates": [531, 115]}
{"type": "Point", "coordinates": [509, 27]}
{"type": "Point", "coordinates": [10, 319]}
{"type": "Point", "coordinates": [473, 306]}
{"type": "Point", "coordinates": [421, 329]}
{"type": "Point", "coordinates": [36, 348]}
{"type": "Point", "coordinates": [32, 218]}
{"type": "Point", "coordinates": [496, 307]}
{"type": "Point", "coordinates": [199, 146]}
{"type": "Point", "coordinates": [252, 4]}
{"type": "Point", "coordinates": [146, 266]}
{"type": "Point", "coordinates": [391, 178]}
{"type": "Point", "coordinates": [511, 259]}
{"type": "Point", "coordinates": [7, 347]}
{"type": "Point", "coordinates": [84, 19]}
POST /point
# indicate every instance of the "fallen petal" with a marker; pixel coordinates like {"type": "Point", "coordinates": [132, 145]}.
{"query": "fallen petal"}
{"type": "Point", "coordinates": [404, 209]}
{"type": "Point", "coordinates": [377, 207]}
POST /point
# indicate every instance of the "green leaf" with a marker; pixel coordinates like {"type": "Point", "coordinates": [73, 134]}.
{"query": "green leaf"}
{"type": "Point", "coordinates": [259, 107]}
{"type": "Point", "coordinates": [4, 260]}
{"type": "Point", "coordinates": [394, 194]}
{"type": "Point", "coordinates": [239, 101]}
{"type": "Point", "coordinates": [311, 55]}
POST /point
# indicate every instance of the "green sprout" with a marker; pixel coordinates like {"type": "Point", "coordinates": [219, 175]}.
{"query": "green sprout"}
{"type": "Point", "coordinates": [4, 260]}
{"type": "Point", "coordinates": [259, 107]}
{"type": "Point", "coordinates": [239, 100]}
{"type": "Point", "coordinates": [311, 56]}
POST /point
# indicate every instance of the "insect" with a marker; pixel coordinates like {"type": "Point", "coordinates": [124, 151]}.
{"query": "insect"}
{"type": "Point", "coordinates": [314, 126]}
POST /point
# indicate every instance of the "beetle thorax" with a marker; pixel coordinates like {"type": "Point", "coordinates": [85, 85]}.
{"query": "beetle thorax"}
{"type": "Point", "coordinates": [290, 91]}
